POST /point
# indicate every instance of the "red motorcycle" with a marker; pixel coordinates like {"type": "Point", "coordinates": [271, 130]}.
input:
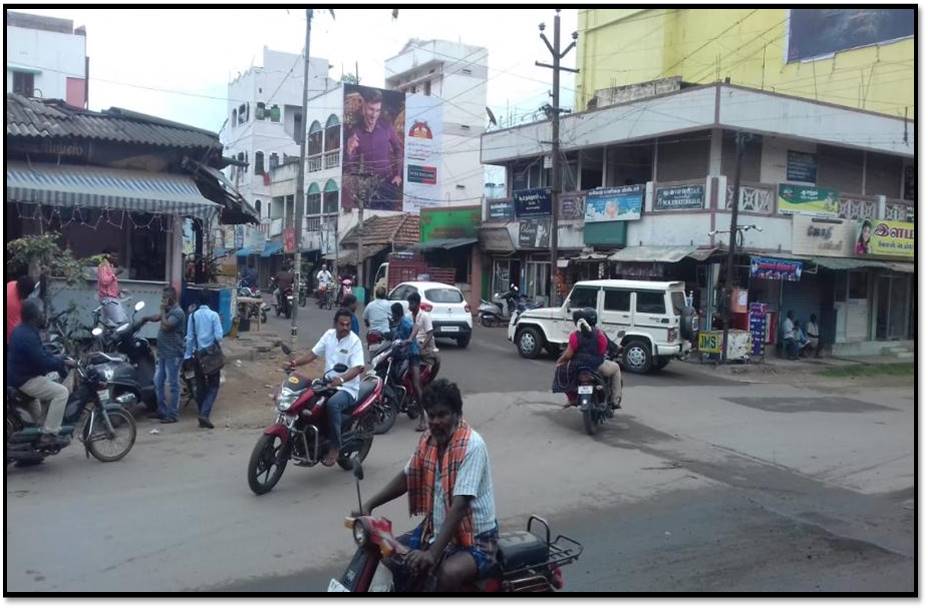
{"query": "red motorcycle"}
{"type": "Point", "coordinates": [389, 362]}
{"type": "Point", "coordinates": [298, 435]}
{"type": "Point", "coordinates": [526, 561]}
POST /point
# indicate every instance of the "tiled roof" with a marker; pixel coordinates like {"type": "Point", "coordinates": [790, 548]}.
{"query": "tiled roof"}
{"type": "Point", "coordinates": [27, 117]}
{"type": "Point", "coordinates": [399, 229]}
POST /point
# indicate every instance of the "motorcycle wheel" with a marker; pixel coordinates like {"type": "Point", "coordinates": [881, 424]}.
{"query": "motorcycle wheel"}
{"type": "Point", "coordinates": [486, 321]}
{"type": "Point", "coordinates": [590, 422]}
{"type": "Point", "coordinates": [345, 460]}
{"type": "Point", "coordinates": [412, 409]}
{"type": "Point", "coordinates": [270, 454]}
{"type": "Point", "coordinates": [112, 446]}
{"type": "Point", "coordinates": [385, 412]}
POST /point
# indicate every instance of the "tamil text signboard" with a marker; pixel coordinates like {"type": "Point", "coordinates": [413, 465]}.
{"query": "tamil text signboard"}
{"type": "Point", "coordinates": [532, 202]}
{"type": "Point", "coordinates": [687, 197]}
{"type": "Point", "coordinates": [614, 203]}
{"type": "Point", "coordinates": [764, 268]}
{"type": "Point", "coordinates": [800, 166]}
{"type": "Point", "coordinates": [885, 238]}
{"type": "Point", "coordinates": [823, 236]}
{"type": "Point", "coordinates": [798, 199]}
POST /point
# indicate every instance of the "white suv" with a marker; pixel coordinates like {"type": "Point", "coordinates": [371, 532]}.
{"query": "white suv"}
{"type": "Point", "coordinates": [450, 313]}
{"type": "Point", "coordinates": [657, 323]}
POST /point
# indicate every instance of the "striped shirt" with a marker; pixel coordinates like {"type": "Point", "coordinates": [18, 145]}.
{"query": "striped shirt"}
{"type": "Point", "coordinates": [474, 480]}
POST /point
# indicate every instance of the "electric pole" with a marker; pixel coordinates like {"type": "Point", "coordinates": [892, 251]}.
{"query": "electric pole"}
{"type": "Point", "coordinates": [557, 55]}
{"type": "Point", "coordinates": [732, 242]}
{"type": "Point", "coordinates": [300, 199]}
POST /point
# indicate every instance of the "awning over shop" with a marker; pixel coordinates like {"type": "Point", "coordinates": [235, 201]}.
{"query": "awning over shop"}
{"type": "Point", "coordinates": [442, 244]}
{"type": "Point", "coordinates": [235, 210]}
{"type": "Point", "coordinates": [495, 239]}
{"type": "Point", "coordinates": [271, 248]}
{"type": "Point", "coordinates": [106, 188]}
{"type": "Point", "coordinates": [660, 254]}
{"type": "Point", "coordinates": [844, 264]}
{"type": "Point", "coordinates": [591, 257]}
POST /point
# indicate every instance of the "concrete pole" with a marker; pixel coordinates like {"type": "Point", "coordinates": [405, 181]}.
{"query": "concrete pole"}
{"type": "Point", "coordinates": [299, 202]}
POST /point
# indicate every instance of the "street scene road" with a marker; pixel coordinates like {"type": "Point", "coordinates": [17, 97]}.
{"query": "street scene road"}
{"type": "Point", "coordinates": [704, 481]}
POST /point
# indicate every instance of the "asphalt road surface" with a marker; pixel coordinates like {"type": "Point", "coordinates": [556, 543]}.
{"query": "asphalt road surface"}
{"type": "Point", "coordinates": [700, 484]}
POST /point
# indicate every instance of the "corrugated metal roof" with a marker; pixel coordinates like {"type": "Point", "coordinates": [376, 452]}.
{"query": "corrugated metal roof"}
{"type": "Point", "coordinates": [32, 118]}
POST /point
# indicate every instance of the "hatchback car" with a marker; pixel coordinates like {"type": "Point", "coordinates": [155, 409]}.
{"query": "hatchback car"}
{"type": "Point", "coordinates": [450, 313]}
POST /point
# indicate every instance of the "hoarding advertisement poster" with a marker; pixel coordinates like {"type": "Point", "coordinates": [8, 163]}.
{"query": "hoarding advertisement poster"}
{"type": "Point", "coordinates": [798, 199]}
{"type": "Point", "coordinates": [885, 238]}
{"type": "Point", "coordinates": [775, 269]}
{"type": "Point", "coordinates": [614, 203]}
{"type": "Point", "coordinates": [374, 157]}
{"type": "Point", "coordinates": [423, 152]}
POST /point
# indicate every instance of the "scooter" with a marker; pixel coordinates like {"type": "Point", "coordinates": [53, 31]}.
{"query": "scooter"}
{"type": "Point", "coordinates": [298, 434]}
{"type": "Point", "coordinates": [389, 363]}
{"type": "Point", "coordinates": [130, 378]}
{"type": "Point", "coordinates": [527, 561]}
{"type": "Point", "coordinates": [503, 306]}
{"type": "Point", "coordinates": [105, 428]}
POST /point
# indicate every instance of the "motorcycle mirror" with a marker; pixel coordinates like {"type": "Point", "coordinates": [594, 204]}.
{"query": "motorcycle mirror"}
{"type": "Point", "coordinates": [96, 332]}
{"type": "Point", "coordinates": [140, 306]}
{"type": "Point", "coordinates": [357, 469]}
{"type": "Point", "coordinates": [340, 368]}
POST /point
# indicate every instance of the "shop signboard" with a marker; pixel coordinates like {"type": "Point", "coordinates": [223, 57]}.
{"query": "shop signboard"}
{"type": "Point", "coordinates": [885, 238]}
{"type": "Point", "coordinates": [800, 166]}
{"type": "Point", "coordinates": [710, 341]}
{"type": "Point", "coordinates": [614, 203]}
{"type": "Point", "coordinates": [535, 233]}
{"type": "Point", "coordinates": [823, 236]}
{"type": "Point", "coordinates": [757, 322]}
{"type": "Point", "coordinates": [532, 202]}
{"type": "Point", "coordinates": [499, 210]}
{"type": "Point", "coordinates": [686, 197]}
{"type": "Point", "coordinates": [422, 152]}
{"type": "Point", "coordinates": [798, 199]}
{"type": "Point", "coordinates": [571, 206]}
{"type": "Point", "coordinates": [448, 223]}
{"type": "Point", "coordinates": [764, 268]}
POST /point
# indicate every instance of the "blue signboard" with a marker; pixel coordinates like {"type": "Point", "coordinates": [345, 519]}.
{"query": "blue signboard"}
{"type": "Point", "coordinates": [614, 203]}
{"type": "Point", "coordinates": [532, 202]}
{"type": "Point", "coordinates": [775, 269]}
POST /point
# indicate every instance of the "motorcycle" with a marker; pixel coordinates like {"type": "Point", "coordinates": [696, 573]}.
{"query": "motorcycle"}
{"type": "Point", "coordinates": [593, 391]}
{"type": "Point", "coordinates": [346, 285]}
{"type": "Point", "coordinates": [527, 561]}
{"type": "Point", "coordinates": [298, 434]}
{"type": "Point", "coordinates": [390, 364]}
{"type": "Point", "coordinates": [302, 293]}
{"type": "Point", "coordinates": [129, 367]}
{"type": "Point", "coordinates": [283, 301]}
{"type": "Point", "coordinates": [503, 306]}
{"type": "Point", "coordinates": [105, 428]}
{"type": "Point", "coordinates": [325, 296]}
{"type": "Point", "coordinates": [252, 310]}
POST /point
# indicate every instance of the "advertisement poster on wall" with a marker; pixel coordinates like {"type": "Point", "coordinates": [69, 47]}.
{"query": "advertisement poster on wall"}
{"type": "Point", "coordinates": [535, 233]}
{"type": "Point", "coordinates": [448, 223]}
{"type": "Point", "coordinates": [818, 32]}
{"type": "Point", "coordinates": [614, 203]}
{"type": "Point", "coordinates": [798, 199]}
{"type": "Point", "coordinates": [423, 152]}
{"type": "Point", "coordinates": [764, 268]}
{"type": "Point", "coordinates": [688, 197]}
{"type": "Point", "coordinates": [571, 206]}
{"type": "Point", "coordinates": [500, 211]}
{"type": "Point", "coordinates": [532, 202]}
{"type": "Point", "coordinates": [373, 148]}
{"type": "Point", "coordinates": [801, 166]}
{"type": "Point", "coordinates": [885, 238]}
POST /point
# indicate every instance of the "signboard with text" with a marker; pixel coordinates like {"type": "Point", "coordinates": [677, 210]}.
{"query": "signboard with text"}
{"type": "Point", "coordinates": [687, 197]}
{"type": "Point", "coordinates": [764, 268]}
{"type": "Point", "coordinates": [614, 203]}
{"type": "Point", "coordinates": [448, 223]}
{"type": "Point", "coordinates": [571, 206]}
{"type": "Point", "coordinates": [535, 233]}
{"type": "Point", "coordinates": [532, 202]}
{"type": "Point", "coordinates": [499, 210]}
{"type": "Point", "coordinates": [422, 152]}
{"type": "Point", "coordinates": [801, 166]}
{"type": "Point", "coordinates": [823, 236]}
{"type": "Point", "coordinates": [879, 238]}
{"type": "Point", "coordinates": [798, 199]}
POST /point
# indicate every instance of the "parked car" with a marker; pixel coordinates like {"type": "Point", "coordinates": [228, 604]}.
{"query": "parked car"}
{"type": "Point", "coordinates": [657, 322]}
{"type": "Point", "coordinates": [450, 313]}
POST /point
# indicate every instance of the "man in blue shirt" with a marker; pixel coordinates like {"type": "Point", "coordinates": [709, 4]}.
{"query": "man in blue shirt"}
{"type": "Point", "coordinates": [171, 346]}
{"type": "Point", "coordinates": [208, 331]}
{"type": "Point", "coordinates": [377, 313]}
{"type": "Point", "coordinates": [27, 364]}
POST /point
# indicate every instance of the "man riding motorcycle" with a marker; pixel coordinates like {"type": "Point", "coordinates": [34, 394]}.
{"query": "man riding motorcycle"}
{"type": "Point", "coordinates": [284, 287]}
{"type": "Point", "coordinates": [449, 482]}
{"type": "Point", "coordinates": [323, 279]}
{"type": "Point", "coordinates": [586, 349]}
{"type": "Point", "coordinates": [27, 364]}
{"type": "Point", "coordinates": [338, 345]}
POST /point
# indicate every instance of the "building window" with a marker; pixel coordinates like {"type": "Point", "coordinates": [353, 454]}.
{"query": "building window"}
{"type": "Point", "coordinates": [259, 163]}
{"type": "Point", "coordinates": [275, 114]}
{"type": "Point", "coordinates": [333, 134]}
{"type": "Point", "coordinates": [313, 200]}
{"type": "Point", "coordinates": [428, 87]}
{"type": "Point", "coordinates": [23, 83]}
{"type": "Point", "coordinates": [330, 198]}
{"type": "Point", "coordinates": [273, 161]}
{"type": "Point", "coordinates": [234, 117]}
{"type": "Point", "coordinates": [242, 114]}
{"type": "Point", "coordinates": [297, 126]}
{"type": "Point", "coordinates": [258, 207]}
{"type": "Point", "coordinates": [314, 142]}
{"type": "Point", "coordinates": [260, 114]}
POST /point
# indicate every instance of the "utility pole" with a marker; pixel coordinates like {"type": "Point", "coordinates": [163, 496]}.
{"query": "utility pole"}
{"type": "Point", "coordinates": [557, 55]}
{"type": "Point", "coordinates": [300, 200]}
{"type": "Point", "coordinates": [360, 196]}
{"type": "Point", "coordinates": [732, 242]}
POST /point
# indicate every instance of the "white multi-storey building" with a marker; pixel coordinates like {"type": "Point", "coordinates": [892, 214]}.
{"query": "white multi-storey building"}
{"type": "Point", "coordinates": [46, 57]}
{"type": "Point", "coordinates": [457, 74]}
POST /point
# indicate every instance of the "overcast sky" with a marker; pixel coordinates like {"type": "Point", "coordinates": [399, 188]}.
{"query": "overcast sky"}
{"type": "Point", "coordinates": [176, 63]}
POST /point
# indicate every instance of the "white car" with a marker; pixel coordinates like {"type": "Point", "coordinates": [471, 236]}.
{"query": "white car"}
{"type": "Point", "coordinates": [450, 313]}
{"type": "Point", "coordinates": [657, 322]}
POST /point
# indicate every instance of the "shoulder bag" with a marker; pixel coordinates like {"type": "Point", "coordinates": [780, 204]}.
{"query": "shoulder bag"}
{"type": "Point", "coordinates": [211, 358]}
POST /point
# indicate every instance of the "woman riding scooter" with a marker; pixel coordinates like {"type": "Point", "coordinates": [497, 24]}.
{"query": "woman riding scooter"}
{"type": "Point", "coordinates": [586, 350]}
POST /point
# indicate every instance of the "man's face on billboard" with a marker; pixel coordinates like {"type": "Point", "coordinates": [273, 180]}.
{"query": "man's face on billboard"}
{"type": "Point", "coordinates": [372, 113]}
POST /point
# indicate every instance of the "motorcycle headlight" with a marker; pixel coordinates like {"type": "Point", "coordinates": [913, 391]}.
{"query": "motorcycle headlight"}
{"type": "Point", "coordinates": [359, 533]}
{"type": "Point", "coordinates": [285, 399]}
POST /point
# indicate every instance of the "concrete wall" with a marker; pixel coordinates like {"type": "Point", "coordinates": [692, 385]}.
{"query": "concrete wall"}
{"type": "Point", "coordinates": [56, 54]}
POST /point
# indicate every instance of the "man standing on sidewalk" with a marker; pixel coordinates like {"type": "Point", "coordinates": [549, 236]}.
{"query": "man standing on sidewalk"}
{"type": "Point", "coordinates": [204, 328]}
{"type": "Point", "coordinates": [170, 354]}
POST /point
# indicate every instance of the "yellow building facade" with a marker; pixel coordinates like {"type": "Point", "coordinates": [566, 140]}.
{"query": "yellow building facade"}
{"type": "Point", "coordinates": [859, 58]}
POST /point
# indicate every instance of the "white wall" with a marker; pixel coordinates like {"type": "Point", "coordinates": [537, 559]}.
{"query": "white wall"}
{"type": "Point", "coordinates": [56, 54]}
{"type": "Point", "coordinates": [669, 229]}
{"type": "Point", "coordinates": [774, 154]}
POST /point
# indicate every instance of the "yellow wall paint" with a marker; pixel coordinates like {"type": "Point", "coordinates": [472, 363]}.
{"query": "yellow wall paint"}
{"type": "Point", "coordinates": [625, 46]}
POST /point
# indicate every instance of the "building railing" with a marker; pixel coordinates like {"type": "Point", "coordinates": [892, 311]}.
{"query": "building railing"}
{"type": "Point", "coordinates": [755, 197]}
{"type": "Point", "coordinates": [331, 159]}
{"type": "Point", "coordinates": [855, 206]}
{"type": "Point", "coordinates": [315, 163]}
{"type": "Point", "coordinates": [899, 209]}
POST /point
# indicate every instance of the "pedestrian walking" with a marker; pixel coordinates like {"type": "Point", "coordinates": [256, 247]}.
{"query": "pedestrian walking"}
{"type": "Point", "coordinates": [204, 337]}
{"type": "Point", "coordinates": [171, 347]}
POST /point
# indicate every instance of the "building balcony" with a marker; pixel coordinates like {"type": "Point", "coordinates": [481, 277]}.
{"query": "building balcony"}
{"type": "Point", "coordinates": [314, 163]}
{"type": "Point", "coordinates": [332, 159]}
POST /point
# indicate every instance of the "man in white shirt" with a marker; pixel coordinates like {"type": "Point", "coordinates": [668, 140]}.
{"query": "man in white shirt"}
{"type": "Point", "coordinates": [812, 334]}
{"type": "Point", "coordinates": [323, 278]}
{"type": "Point", "coordinates": [423, 332]}
{"type": "Point", "coordinates": [338, 345]}
{"type": "Point", "coordinates": [790, 340]}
